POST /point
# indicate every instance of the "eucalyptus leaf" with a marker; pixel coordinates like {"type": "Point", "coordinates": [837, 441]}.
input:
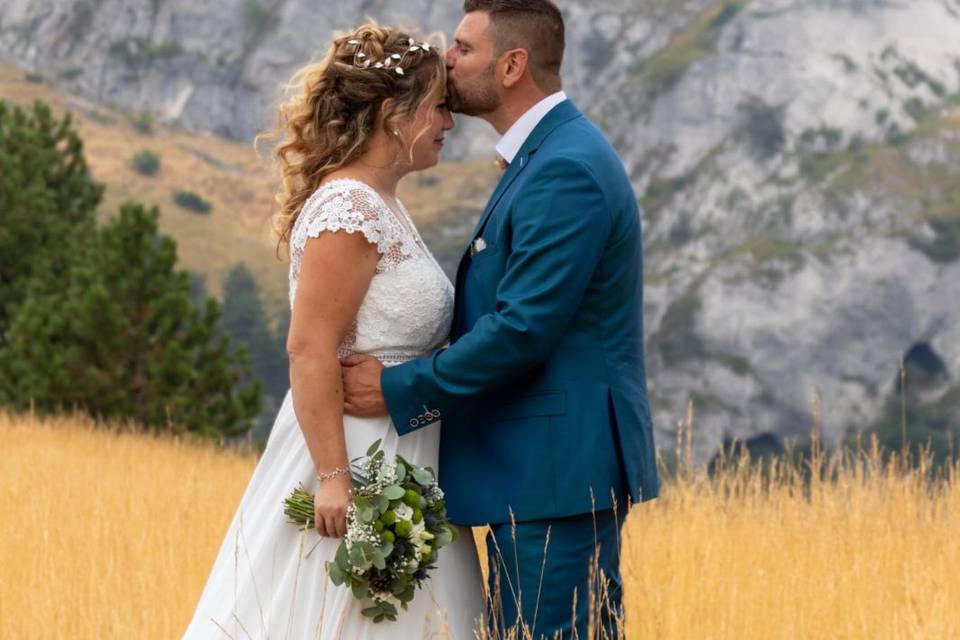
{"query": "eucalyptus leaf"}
{"type": "Point", "coordinates": [356, 556]}
{"type": "Point", "coordinates": [371, 612]}
{"type": "Point", "coordinates": [393, 492]}
{"type": "Point", "coordinates": [423, 477]}
{"type": "Point", "coordinates": [342, 559]}
{"type": "Point", "coordinates": [373, 448]}
{"type": "Point", "coordinates": [359, 590]}
{"type": "Point", "coordinates": [336, 574]}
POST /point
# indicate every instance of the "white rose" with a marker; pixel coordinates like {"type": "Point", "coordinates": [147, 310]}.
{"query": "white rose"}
{"type": "Point", "coordinates": [403, 511]}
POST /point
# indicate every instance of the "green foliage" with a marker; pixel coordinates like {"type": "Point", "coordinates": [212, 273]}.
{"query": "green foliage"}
{"type": "Point", "coordinates": [767, 248]}
{"type": "Point", "coordinates": [738, 364]}
{"type": "Point", "coordinates": [116, 335]}
{"type": "Point", "coordinates": [100, 320]}
{"type": "Point", "coordinates": [828, 137]}
{"type": "Point", "coordinates": [47, 199]}
{"type": "Point", "coordinates": [71, 73]}
{"type": "Point", "coordinates": [33, 77]}
{"type": "Point", "coordinates": [677, 339]}
{"type": "Point", "coordinates": [945, 245]}
{"type": "Point", "coordinates": [81, 21]}
{"type": "Point", "coordinates": [191, 201]}
{"type": "Point", "coordinates": [666, 67]}
{"type": "Point", "coordinates": [922, 411]}
{"type": "Point", "coordinates": [849, 66]}
{"type": "Point", "coordinates": [246, 323]}
{"type": "Point", "coordinates": [661, 190]}
{"type": "Point", "coordinates": [136, 52]}
{"type": "Point", "coordinates": [257, 15]}
{"type": "Point", "coordinates": [916, 109]}
{"type": "Point", "coordinates": [763, 126]}
{"type": "Point", "coordinates": [146, 162]}
{"type": "Point", "coordinates": [913, 76]}
{"type": "Point", "coordinates": [933, 424]}
{"type": "Point", "coordinates": [143, 123]}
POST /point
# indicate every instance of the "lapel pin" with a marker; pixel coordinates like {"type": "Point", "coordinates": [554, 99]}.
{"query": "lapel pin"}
{"type": "Point", "coordinates": [478, 245]}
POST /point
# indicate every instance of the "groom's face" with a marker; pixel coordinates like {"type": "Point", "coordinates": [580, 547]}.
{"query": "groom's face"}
{"type": "Point", "coordinates": [472, 66]}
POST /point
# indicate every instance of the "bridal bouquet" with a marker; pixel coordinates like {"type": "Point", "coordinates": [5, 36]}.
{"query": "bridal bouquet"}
{"type": "Point", "coordinates": [396, 524]}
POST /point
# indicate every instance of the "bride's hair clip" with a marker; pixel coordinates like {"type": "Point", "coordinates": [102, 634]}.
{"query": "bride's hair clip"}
{"type": "Point", "coordinates": [392, 61]}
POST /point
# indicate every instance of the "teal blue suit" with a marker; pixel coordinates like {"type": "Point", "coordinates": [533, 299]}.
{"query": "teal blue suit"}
{"type": "Point", "coordinates": [542, 393]}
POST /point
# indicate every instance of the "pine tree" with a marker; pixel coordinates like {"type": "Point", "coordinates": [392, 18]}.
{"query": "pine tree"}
{"type": "Point", "coordinates": [101, 320]}
{"type": "Point", "coordinates": [245, 321]}
{"type": "Point", "coordinates": [47, 199]}
{"type": "Point", "coordinates": [117, 335]}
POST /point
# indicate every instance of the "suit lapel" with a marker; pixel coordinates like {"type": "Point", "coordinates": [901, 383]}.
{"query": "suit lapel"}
{"type": "Point", "coordinates": [563, 112]}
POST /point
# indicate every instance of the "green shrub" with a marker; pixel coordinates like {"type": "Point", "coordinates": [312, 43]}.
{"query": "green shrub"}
{"type": "Point", "coordinates": [35, 78]}
{"type": "Point", "coordinates": [72, 73]}
{"type": "Point", "coordinates": [146, 163]}
{"type": "Point", "coordinates": [763, 126]}
{"type": "Point", "coordinates": [945, 245]}
{"type": "Point", "coordinates": [677, 338]}
{"type": "Point", "coordinates": [143, 123]}
{"type": "Point", "coordinates": [136, 52]}
{"type": "Point", "coordinates": [257, 15]}
{"type": "Point", "coordinates": [192, 202]}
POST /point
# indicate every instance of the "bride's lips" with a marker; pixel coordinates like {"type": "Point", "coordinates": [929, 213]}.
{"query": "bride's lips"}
{"type": "Point", "coordinates": [438, 142]}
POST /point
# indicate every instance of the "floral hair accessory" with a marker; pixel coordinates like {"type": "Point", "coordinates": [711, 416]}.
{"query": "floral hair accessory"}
{"type": "Point", "coordinates": [393, 61]}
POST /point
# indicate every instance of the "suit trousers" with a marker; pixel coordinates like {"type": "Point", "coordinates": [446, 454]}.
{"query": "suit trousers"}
{"type": "Point", "coordinates": [557, 579]}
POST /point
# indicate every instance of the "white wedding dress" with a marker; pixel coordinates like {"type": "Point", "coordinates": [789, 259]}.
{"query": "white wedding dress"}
{"type": "Point", "coordinates": [269, 579]}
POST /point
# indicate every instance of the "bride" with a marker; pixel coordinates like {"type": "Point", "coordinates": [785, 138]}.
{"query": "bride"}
{"type": "Point", "coordinates": [361, 281]}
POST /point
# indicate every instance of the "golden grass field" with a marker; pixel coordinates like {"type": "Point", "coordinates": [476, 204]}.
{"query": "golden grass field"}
{"type": "Point", "coordinates": [107, 533]}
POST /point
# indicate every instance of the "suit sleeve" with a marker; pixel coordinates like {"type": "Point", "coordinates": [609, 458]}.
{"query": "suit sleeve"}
{"type": "Point", "coordinates": [560, 226]}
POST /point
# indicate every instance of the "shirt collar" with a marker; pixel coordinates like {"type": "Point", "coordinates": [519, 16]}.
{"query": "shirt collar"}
{"type": "Point", "coordinates": [516, 135]}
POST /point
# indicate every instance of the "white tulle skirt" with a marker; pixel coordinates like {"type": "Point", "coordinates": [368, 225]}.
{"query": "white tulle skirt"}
{"type": "Point", "coordinates": [269, 580]}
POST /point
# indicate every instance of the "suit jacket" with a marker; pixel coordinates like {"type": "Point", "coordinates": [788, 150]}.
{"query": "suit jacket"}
{"type": "Point", "coordinates": [542, 392]}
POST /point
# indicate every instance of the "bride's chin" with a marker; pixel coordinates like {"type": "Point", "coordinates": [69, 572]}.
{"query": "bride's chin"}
{"type": "Point", "coordinates": [432, 161]}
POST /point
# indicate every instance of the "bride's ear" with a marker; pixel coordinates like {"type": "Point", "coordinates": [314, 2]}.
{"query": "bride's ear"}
{"type": "Point", "coordinates": [385, 107]}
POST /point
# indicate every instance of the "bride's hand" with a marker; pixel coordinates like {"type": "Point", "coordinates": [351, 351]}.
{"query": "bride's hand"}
{"type": "Point", "coordinates": [330, 506]}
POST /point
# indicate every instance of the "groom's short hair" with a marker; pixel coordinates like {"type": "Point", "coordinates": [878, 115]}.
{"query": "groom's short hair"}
{"type": "Point", "coordinates": [534, 25]}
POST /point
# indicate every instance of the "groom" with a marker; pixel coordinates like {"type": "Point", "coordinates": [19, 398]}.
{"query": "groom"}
{"type": "Point", "coordinates": [542, 393]}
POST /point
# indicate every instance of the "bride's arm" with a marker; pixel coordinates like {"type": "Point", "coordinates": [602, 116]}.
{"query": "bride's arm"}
{"type": "Point", "coordinates": [336, 270]}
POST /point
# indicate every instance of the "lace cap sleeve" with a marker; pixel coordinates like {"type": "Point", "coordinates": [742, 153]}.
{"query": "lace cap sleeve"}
{"type": "Point", "coordinates": [351, 208]}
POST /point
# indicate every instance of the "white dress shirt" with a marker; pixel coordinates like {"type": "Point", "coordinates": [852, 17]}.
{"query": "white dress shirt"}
{"type": "Point", "coordinates": [516, 135]}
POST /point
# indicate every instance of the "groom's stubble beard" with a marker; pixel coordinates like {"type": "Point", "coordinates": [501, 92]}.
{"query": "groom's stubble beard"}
{"type": "Point", "coordinates": [476, 100]}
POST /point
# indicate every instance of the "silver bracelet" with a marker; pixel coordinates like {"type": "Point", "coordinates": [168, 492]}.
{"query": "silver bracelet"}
{"type": "Point", "coordinates": [330, 475]}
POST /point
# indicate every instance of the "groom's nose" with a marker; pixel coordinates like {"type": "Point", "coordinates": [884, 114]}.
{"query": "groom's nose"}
{"type": "Point", "coordinates": [450, 57]}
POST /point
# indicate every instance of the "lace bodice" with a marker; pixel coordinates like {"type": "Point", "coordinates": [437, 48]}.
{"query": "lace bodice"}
{"type": "Point", "coordinates": [408, 308]}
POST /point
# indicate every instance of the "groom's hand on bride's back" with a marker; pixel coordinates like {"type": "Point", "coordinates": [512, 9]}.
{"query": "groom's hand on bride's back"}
{"type": "Point", "coordinates": [362, 396]}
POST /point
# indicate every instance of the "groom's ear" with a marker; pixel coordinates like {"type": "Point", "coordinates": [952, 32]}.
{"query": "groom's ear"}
{"type": "Point", "coordinates": [514, 64]}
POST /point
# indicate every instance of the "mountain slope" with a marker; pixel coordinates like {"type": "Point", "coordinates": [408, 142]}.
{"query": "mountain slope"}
{"type": "Point", "coordinates": [797, 162]}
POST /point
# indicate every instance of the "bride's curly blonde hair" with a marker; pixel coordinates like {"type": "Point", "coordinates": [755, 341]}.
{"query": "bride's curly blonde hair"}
{"type": "Point", "coordinates": [334, 106]}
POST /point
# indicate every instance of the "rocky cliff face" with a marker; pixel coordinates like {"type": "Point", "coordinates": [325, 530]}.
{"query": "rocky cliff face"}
{"type": "Point", "coordinates": [797, 160]}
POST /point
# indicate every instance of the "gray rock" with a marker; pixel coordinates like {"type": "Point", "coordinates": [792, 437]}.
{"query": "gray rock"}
{"type": "Point", "coordinates": [760, 140]}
